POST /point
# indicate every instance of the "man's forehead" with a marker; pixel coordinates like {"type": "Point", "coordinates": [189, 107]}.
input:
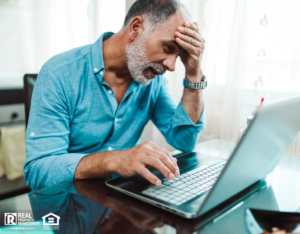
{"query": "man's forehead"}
{"type": "Point", "coordinates": [166, 30]}
{"type": "Point", "coordinates": [178, 19]}
{"type": "Point", "coordinates": [169, 27]}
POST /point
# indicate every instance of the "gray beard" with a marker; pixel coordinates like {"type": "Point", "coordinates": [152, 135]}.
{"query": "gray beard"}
{"type": "Point", "coordinates": [139, 63]}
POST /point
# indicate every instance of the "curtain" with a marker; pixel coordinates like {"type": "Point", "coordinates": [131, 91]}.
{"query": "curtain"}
{"type": "Point", "coordinates": [252, 52]}
{"type": "Point", "coordinates": [32, 31]}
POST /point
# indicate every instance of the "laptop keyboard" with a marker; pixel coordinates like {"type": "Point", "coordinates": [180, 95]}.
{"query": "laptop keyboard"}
{"type": "Point", "coordinates": [188, 185]}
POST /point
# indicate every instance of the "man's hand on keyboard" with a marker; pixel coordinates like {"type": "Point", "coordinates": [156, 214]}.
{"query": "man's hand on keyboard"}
{"type": "Point", "coordinates": [135, 161]}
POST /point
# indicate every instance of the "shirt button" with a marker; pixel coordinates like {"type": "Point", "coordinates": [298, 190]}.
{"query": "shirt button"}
{"type": "Point", "coordinates": [101, 73]}
{"type": "Point", "coordinates": [32, 134]}
{"type": "Point", "coordinates": [109, 92]}
{"type": "Point", "coordinates": [95, 69]}
{"type": "Point", "coordinates": [109, 148]}
{"type": "Point", "coordinates": [116, 119]}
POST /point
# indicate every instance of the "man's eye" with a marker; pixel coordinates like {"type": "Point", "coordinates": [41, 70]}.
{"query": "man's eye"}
{"type": "Point", "coordinates": [182, 53]}
{"type": "Point", "coordinates": [168, 48]}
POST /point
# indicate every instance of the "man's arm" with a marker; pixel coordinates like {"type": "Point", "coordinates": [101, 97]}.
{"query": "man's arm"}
{"type": "Point", "coordinates": [173, 121]}
{"type": "Point", "coordinates": [181, 126]}
{"type": "Point", "coordinates": [192, 102]}
{"type": "Point", "coordinates": [129, 162]}
{"type": "Point", "coordinates": [189, 38]}
{"type": "Point", "coordinates": [48, 161]}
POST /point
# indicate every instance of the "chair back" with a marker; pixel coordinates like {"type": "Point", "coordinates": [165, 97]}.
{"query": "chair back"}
{"type": "Point", "coordinates": [29, 82]}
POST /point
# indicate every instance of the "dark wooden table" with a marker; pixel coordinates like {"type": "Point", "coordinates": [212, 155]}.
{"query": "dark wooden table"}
{"type": "Point", "coordinates": [88, 206]}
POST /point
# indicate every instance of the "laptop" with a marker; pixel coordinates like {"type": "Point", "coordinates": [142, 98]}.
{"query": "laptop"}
{"type": "Point", "coordinates": [203, 186]}
{"type": "Point", "coordinates": [235, 208]}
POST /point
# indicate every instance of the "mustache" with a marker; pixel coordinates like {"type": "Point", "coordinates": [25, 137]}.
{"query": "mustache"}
{"type": "Point", "coordinates": [159, 69]}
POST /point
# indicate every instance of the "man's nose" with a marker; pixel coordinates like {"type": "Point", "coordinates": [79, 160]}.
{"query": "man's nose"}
{"type": "Point", "coordinates": [169, 62]}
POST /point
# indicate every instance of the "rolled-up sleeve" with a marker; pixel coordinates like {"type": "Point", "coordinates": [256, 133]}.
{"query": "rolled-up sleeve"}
{"type": "Point", "coordinates": [48, 161]}
{"type": "Point", "coordinates": [173, 121]}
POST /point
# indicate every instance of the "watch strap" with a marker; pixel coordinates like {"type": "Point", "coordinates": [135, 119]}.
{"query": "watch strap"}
{"type": "Point", "coordinates": [197, 85]}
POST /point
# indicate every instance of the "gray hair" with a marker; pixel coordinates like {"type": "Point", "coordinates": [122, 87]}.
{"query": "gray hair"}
{"type": "Point", "coordinates": [153, 12]}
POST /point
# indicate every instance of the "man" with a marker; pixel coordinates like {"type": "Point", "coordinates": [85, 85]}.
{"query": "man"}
{"type": "Point", "coordinates": [90, 104]}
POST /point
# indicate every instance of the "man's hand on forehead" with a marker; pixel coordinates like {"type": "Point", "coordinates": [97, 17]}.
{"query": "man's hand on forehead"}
{"type": "Point", "coordinates": [189, 38]}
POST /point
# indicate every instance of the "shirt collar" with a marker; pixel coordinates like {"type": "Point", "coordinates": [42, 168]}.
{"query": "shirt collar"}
{"type": "Point", "coordinates": [97, 58]}
{"type": "Point", "coordinates": [97, 52]}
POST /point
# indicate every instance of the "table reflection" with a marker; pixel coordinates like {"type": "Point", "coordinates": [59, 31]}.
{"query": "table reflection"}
{"type": "Point", "coordinates": [89, 206]}
{"type": "Point", "coordinates": [84, 208]}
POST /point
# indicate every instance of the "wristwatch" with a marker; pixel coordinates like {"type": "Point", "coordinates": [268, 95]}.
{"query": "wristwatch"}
{"type": "Point", "coordinates": [198, 85]}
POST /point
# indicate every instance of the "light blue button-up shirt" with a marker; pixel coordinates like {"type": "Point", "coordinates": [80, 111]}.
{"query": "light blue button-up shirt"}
{"type": "Point", "coordinates": [75, 113]}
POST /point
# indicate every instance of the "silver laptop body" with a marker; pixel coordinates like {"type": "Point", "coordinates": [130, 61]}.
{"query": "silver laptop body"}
{"type": "Point", "coordinates": [265, 142]}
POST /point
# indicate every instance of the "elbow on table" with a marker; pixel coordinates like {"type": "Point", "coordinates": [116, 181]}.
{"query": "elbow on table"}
{"type": "Point", "coordinates": [186, 145]}
{"type": "Point", "coordinates": [36, 176]}
{"type": "Point", "coordinates": [43, 171]}
{"type": "Point", "coordinates": [186, 148]}
{"type": "Point", "coordinates": [184, 138]}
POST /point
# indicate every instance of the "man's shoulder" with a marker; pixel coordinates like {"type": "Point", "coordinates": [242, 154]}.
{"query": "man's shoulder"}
{"type": "Point", "coordinates": [67, 58]}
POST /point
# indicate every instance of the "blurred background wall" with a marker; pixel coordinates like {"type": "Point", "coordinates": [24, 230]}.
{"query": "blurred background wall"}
{"type": "Point", "coordinates": [252, 50]}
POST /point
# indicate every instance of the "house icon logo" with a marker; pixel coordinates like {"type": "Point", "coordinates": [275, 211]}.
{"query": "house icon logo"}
{"type": "Point", "coordinates": [51, 219]}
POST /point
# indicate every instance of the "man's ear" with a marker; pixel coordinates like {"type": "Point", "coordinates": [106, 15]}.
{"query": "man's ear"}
{"type": "Point", "coordinates": [135, 28]}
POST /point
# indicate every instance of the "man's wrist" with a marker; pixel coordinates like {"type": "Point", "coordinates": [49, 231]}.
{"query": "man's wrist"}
{"type": "Point", "coordinates": [194, 78]}
{"type": "Point", "coordinates": [110, 163]}
{"type": "Point", "coordinates": [199, 85]}
{"type": "Point", "coordinates": [96, 165]}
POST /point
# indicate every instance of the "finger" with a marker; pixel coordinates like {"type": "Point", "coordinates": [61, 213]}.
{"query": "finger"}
{"type": "Point", "coordinates": [190, 32]}
{"type": "Point", "coordinates": [162, 150]}
{"type": "Point", "coordinates": [188, 39]}
{"type": "Point", "coordinates": [170, 162]}
{"type": "Point", "coordinates": [193, 26]}
{"type": "Point", "coordinates": [158, 165]}
{"type": "Point", "coordinates": [192, 50]}
{"type": "Point", "coordinates": [151, 149]}
{"type": "Point", "coordinates": [164, 159]}
{"type": "Point", "coordinates": [143, 171]}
